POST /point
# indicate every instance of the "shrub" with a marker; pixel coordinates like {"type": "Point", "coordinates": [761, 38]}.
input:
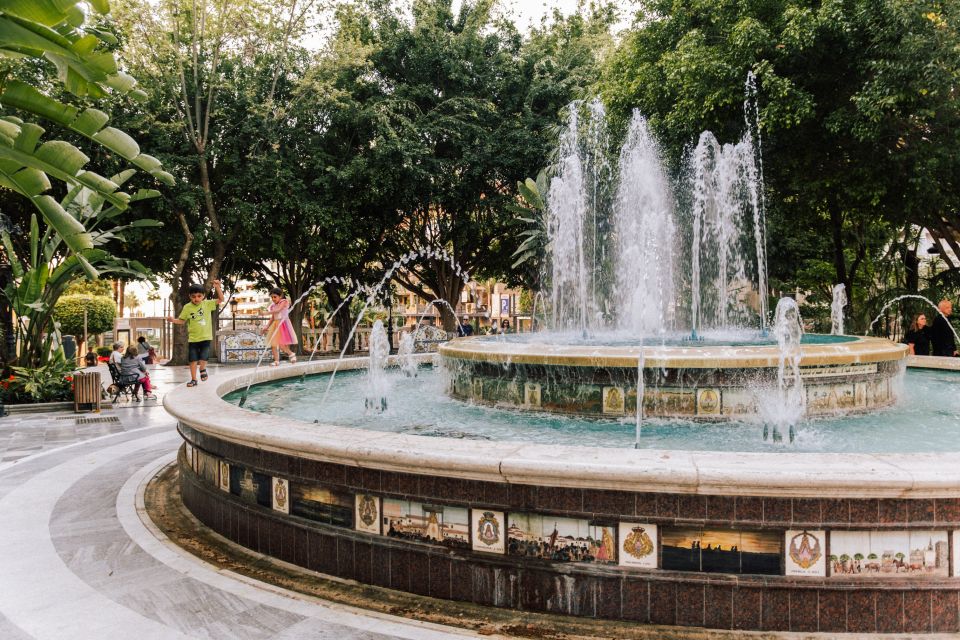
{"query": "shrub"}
{"type": "Point", "coordinates": [104, 352]}
{"type": "Point", "coordinates": [69, 313]}
{"type": "Point", "coordinates": [52, 382]}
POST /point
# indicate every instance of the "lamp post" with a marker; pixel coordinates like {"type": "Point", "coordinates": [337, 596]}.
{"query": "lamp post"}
{"type": "Point", "coordinates": [233, 311]}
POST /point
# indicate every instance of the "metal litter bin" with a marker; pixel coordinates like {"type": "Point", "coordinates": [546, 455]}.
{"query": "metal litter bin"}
{"type": "Point", "coordinates": [86, 391]}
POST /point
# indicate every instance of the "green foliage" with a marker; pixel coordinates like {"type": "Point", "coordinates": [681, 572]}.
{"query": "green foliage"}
{"type": "Point", "coordinates": [858, 113]}
{"type": "Point", "coordinates": [52, 382]}
{"type": "Point", "coordinates": [64, 34]}
{"type": "Point", "coordinates": [68, 311]}
{"type": "Point", "coordinates": [91, 287]}
{"type": "Point", "coordinates": [104, 352]}
{"type": "Point", "coordinates": [530, 255]}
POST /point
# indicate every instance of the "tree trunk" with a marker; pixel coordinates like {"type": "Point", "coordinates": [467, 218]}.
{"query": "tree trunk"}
{"type": "Point", "coordinates": [839, 259]}
{"type": "Point", "coordinates": [296, 319]}
{"type": "Point", "coordinates": [343, 320]}
{"type": "Point", "coordinates": [178, 350]}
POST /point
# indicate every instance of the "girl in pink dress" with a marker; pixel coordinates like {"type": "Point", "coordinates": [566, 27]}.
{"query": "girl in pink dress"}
{"type": "Point", "coordinates": [280, 330]}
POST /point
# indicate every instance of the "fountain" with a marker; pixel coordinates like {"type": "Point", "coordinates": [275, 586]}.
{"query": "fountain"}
{"type": "Point", "coordinates": [688, 300]}
{"type": "Point", "coordinates": [664, 343]}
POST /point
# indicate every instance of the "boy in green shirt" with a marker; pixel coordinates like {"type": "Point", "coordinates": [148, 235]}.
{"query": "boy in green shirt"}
{"type": "Point", "coordinates": [198, 316]}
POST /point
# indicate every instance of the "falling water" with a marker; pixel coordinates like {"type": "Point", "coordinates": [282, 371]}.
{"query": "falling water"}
{"type": "Point", "coordinates": [621, 227]}
{"type": "Point", "coordinates": [787, 406]}
{"type": "Point", "coordinates": [405, 355]}
{"type": "Point", "coordinates": [836, 309]}
{"type": "Point", "coordinates": [567, 219]}
{"type": "Point", "coordinates": [723, 177]}
{"type": "Point", "coordinates": [376, 396]}
{"type": "Point", "coordinates": [641, 390]}
{"type": "Point", "coordinates": [758, 199]}
{"type": "Point", "coordinates": [644, 231]}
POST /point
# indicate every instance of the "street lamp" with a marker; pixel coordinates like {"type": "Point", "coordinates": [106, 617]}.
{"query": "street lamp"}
{"type": "Point", "coordinates": [233, 311]}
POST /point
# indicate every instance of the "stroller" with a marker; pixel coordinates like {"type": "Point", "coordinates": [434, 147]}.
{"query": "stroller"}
{"type": "Point", "coordinates": [123, 385]}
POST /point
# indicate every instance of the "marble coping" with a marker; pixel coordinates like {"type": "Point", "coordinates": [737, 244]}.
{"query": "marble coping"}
{"type": "Point", "coordinates": [482, 348]}
{"type": "Point", "coordinates": [818, 475]}
{"type": "Point", "coordinates": [933, 362]}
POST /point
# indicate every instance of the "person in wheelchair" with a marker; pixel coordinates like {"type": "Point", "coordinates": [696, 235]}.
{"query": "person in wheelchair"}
{"type": "Point", "coordinates": [133, 373]}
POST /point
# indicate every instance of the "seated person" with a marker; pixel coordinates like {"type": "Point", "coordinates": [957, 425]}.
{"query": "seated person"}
{"type": "Point", "coordinates": [116, 355]}
{"type": "Point", "coordinates": [131, 365]}
{"type": "Point", "coordinates": [143, 350]}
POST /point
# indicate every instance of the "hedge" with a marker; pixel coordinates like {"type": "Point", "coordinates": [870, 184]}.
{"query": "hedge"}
{"type": "Point", "coordinates": [69, 313]}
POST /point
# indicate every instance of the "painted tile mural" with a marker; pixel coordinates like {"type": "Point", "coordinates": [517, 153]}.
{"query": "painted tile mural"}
{"type": "Point", "coordinates": [560, 539]}
{"type": "Point", "coordinates": [956, 554]}
{"type": "Point", "coordinates": [888, 554]}
{"type": "Point", "coordinates": [367, 513]}
{"type": "Point", "coordinates": [251, 486]}
{"type": "Point", "coordinates": [321, 505]}
{"type": "Point", "coordinates": [449, 526]}
{"type": "Point", "coordinates": [806, 553]}
{"type": "Point", "coordinates": [280, 494]}
{"type": "Point", "coordinates": [224, 476]}
{"type": "Point", "coordinates": [638, 545]}
{"type": "Point", "coordinates": [489, 533]}
{"type": "Point", "coordinates": [720, 551]}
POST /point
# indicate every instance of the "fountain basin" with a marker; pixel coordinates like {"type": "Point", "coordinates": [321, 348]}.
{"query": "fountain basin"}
{"type": "Point", "coordinates": [841, 374]}
{"type": "Point", "coordinates": [261, 480]}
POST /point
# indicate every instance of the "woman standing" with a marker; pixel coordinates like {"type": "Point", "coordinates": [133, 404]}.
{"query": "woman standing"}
{"type": "Point", "coordinates": [280, 332]}
{"type": "Point", "coordinates": [918, 337]}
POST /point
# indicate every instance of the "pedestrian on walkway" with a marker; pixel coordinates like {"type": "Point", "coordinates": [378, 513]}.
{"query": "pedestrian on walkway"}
{"type": "Point", "coordinates": [198, 316]}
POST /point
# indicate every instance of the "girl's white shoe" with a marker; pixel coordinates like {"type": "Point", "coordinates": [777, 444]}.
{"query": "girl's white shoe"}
{"type": "Point", "coordinates": [293, 359]}
{"type": "Point", "coordinates": [274, 364]}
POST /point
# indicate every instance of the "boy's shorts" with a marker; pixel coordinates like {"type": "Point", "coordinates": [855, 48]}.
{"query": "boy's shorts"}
{"type": "Point", "coordinates": [198, 350]}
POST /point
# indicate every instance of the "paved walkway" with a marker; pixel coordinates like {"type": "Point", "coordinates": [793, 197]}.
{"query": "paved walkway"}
{"type": "Point", "coordinates": [80, 558]}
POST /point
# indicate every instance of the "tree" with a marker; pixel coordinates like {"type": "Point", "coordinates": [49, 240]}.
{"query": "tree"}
{"type": "Point", "coordinates": [91, 287]}
{"type": "Point", "coordinates": [473, 114]}
{"type": "Point", "coordinates": [837, 101]}
{"type": "Point", "coordinates": [198, 58]}
{"type": "Point", "coordinates": [69, 312]}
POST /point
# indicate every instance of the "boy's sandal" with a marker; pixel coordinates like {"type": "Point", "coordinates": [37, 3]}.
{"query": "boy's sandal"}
{"type": "Point", "coordinates": [203, 374]}
{"type": "Point", "coordinates": [192, 383]}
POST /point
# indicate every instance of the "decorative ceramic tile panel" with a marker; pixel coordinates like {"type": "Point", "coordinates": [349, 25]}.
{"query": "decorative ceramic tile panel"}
{"type": "Point", "coordinates": [720, 550]}
{"type": "Point", "coordinates": [560, 539]}
{"type": "Point", "coordinates": [487, 529]}
{"type": "Point", "coordinates": [638, 545]}
{"type": "Point", "coordinates": [281, 495]}
{"type": "Point", "coordinates": [423, 522]}
{"type": "Point", "coordinates": [613, 400]}
{"type": "Point", "coordinates": [367, 513]}
{"type": "Point", "coordinates": [805, 553]}
{"type": "Point", "coordinates": [888, 554]}
{"type": "Point", "coordinates": [321, 504]}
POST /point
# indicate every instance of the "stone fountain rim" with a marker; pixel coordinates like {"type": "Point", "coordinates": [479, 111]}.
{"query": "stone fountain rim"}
{"type": "Point", "coordinates": [818, 475]}
{"type": "Point", "coordinates": [861, 350]}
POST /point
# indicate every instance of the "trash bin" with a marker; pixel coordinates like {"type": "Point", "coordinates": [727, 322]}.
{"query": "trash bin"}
{"type": "Point", "coordinates": [70, 348]}
{"type": "Point", "coordinates": [86, 391]}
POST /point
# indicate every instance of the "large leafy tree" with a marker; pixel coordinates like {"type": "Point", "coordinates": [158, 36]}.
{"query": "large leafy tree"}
{"type": "Point", "coordinates": [214, 69]}
{"type": "Point", "coordinates": [472, 114]}
{"type": "Point", "coordinates": [854, 98]}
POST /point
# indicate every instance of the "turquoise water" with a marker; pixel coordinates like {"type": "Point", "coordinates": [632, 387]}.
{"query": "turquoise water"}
{"type": "Point", "coordinates": [927, 418]}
